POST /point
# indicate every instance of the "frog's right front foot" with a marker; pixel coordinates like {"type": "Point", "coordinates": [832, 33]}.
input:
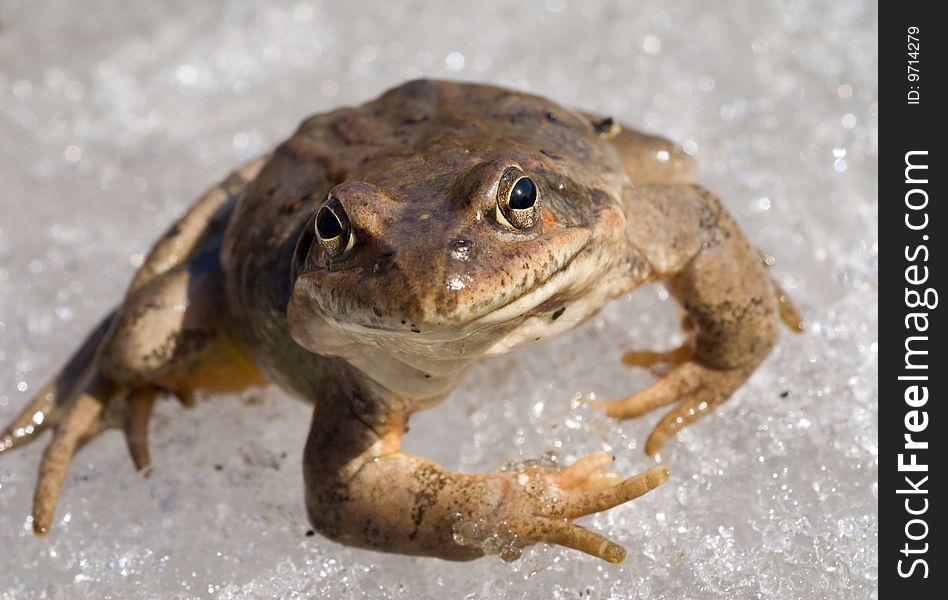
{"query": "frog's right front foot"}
{"type": "Point", "coordinates": [362, 490]}
{"type": "Point", "coordinates": [539, 505]}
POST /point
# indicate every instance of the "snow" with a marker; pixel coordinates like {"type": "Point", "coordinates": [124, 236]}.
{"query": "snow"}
{"type": "Point", "coordinates": [115, 116]}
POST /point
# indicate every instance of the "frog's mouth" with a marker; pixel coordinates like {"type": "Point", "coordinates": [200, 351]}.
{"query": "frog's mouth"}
{"type": "Point", "coordinates": [565, 280]}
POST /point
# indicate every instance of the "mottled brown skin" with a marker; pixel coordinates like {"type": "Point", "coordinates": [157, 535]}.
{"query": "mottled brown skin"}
{"type": "Point", "coordinates": [243, 290]}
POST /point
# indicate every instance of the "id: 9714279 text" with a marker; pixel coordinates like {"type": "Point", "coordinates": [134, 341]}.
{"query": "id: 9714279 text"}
{"type": "Point", "coordinates": [913, 73]}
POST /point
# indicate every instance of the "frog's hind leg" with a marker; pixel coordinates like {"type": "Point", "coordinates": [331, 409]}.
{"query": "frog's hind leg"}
{"type": "Point", "coordinates": [168, 335]}
{"type": "Point", "coordinates": [149, 347]}
{"type": "Point", "coordinates": [152, 347]}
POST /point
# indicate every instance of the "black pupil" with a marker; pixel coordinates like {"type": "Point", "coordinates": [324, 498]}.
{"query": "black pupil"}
{"type": "Point", "coordinates": [327, 224]}
{"type": "Point", "coordinates": [524, 194]}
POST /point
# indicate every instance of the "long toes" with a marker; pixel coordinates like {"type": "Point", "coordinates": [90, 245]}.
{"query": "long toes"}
{"type": "Point", "coordinates": [598, 480]}
{"type": "Point", "coordinates": [140, 404]}
{"type": "Point", "coordinates": [654, 396]}
{"type": "Point", "coordinates": [582, 469]}
{"type": "Point", "coordinates": [659, 360]}
{"type": "Point", "coordinates": [789, 314]}
{"type": "Point", "coordinates": [78, 422]}
{"type": "Point", "coordinates": [594, 501]}
{"type": "Point", "coordinates": [32, 420]}
{"type": "Point", "coordinates": [561, 532]}
{"type": "Point", "coordinates": [689, 411]}
{"type": "Point", "coordinates": [570, 535]}
{"type": "Point", "coordinates": [680, 381]}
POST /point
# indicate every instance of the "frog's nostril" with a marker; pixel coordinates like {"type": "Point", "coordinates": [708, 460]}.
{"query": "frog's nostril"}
{"type": "Point", "coordinates": [462, 250]}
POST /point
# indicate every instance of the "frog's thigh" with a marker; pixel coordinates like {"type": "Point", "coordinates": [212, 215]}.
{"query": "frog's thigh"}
{"type": "Point", "coordinates": [653, 159]}
{"type": "Point", "coordinates": [169, 334]}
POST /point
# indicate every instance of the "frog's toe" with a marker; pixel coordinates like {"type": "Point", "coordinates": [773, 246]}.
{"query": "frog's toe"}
{"type": "Point", "coordinates": [138, 412]}
{"type": "Point", "coordinates": [583, 470]}
{"type": "Point", "coordinates": [786, 308]}
{"type": "Point", "coordinates": [659, 363]}
{"type": "Point", "coordinates": [563, 533]}
{"type": "Point", "coordinates": [75, 420]}
{"type": "Point", "coordinates": [80, 422]}
{"type": "Point", "coordinates": [690, 410]}
{"type": "Point", "coordinates": [697, 388]}
{"type": "Point", "coordinates": [788, 311]}
{"type": "Point", "coordinates": [665, 391]}
{"type": "Point", "coordinates": [580, 503]}
{"type": "Point", "coordinates": [32, 420]}
{"type": "Point", "coordinates": [48, 405]}
{"type": "Point", "coordinates": [583, 489]}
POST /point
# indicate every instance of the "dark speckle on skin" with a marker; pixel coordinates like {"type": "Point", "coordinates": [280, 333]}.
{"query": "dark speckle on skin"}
{"type": "Point", "coordinates": [551, 155]}
{"type": "Point", "coordinates": [291, 205]}
{"type": "Point", "coordinates": [603, 125]}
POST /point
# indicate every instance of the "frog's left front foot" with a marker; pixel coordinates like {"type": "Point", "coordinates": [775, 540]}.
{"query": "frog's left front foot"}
{"type": "Point", "coordinates": [697, 388]}
{"type": "Point", "coordinates": [731, 303]}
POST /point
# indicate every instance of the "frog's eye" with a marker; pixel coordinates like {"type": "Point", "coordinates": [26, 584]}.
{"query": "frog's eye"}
{"type": "Point", "coordinates": [333, 230]}
{"type": "Point", "coordinates": [518, 200]}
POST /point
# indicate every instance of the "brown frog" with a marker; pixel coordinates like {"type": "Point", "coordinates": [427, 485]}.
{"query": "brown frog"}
{"type": "Point", "coordinates": [374, 257]}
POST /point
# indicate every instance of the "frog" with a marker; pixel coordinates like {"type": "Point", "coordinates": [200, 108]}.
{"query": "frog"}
{"type": "Point", "coordinates": [368, 262]}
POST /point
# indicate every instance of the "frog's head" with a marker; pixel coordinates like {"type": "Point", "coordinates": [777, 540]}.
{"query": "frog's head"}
{"type": "Point", "coordinates": [490, 224]}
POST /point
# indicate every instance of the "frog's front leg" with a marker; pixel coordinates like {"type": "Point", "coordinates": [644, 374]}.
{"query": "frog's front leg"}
{"type": "Point", "coordinates": [362, 490]}
{"type": "Point", "coordinates": [684, 235]}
